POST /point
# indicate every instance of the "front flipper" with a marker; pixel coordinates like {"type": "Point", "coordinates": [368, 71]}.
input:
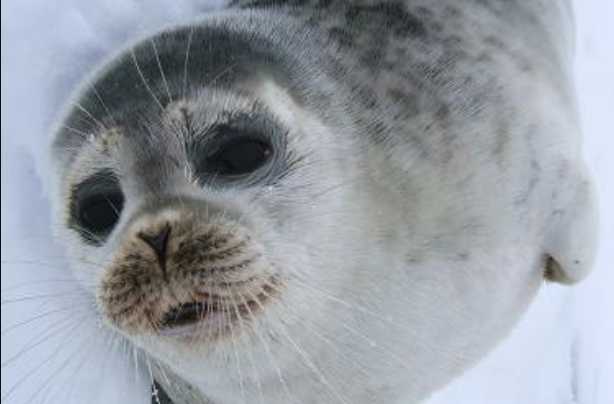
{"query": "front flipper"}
{"type": "Point", "coordinates": [571, 240]}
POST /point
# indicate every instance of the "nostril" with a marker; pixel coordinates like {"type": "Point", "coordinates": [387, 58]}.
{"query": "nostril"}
{"type": "Point", "coordinates": [158, 242]}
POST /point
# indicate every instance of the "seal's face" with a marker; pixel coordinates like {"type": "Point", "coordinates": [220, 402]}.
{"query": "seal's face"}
{"type": "Point", "coordinates": [210, 224]}
{"type": "Point", "coordinates": [183, 215]}
{"type": "Point", "coordinates": [276, 234]}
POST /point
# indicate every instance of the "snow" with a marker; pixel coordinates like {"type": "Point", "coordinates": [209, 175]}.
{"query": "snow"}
{"type": "Point", "coordinates": [560, 353]}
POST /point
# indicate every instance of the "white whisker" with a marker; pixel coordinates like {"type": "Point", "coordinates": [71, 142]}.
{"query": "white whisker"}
{"type": "Point", "coordinates": [155, 49]}
{"type": "Point", "coordinates": [147, 87]}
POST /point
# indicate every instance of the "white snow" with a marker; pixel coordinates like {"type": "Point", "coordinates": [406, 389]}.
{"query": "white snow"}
{"type": "Point", "coordinates": [560, 353]}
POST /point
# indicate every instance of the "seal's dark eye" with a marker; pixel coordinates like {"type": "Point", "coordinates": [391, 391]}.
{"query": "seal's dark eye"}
{"type": "Point", "coordinates": [96, 206]}
{"type": "Point", "coordinates": [238, 156]}
{"type": "Point", "coordinates": [99, 213]}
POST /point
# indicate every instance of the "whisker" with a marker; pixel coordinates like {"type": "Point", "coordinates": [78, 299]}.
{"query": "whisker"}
{"type": "Point", "coordinates": [221, 74]}
{"type": "Point", "coordinates": [85, 135]}
{"type": "Point", "coordinates": [140, 72]}
{"type": "Point", "coordinates": [255, 374]}
{"type": "Point", "coordinates": [185, 62]}
{"type": "Point", "coordinates": [85, 356]}
{"type": "Point", "coordinates": [47, 296]}
{"type": "Point", "coordinates": [155, 49]}
{"type": "Point", "coordinates": [312, 329]}
{"type": "Point", "coordinates": [233, 338]}
{"type": "Point", "coordinates": [32, 319]}
{"type": "Point", "coordinates": [111, 343]}
{"type": "Point", "coordinates": [154, 389]}
{"type": "Point", "coordinates": [306, 359]}
{"type": "Point", "coordinates": [269, 354]}
{"type": "Point", "coordinates": [61, 367]}
{"type": "Point", "coordinates": [39, 282]}
{"type": "Point", "coordinates": [29, 374]}
{"type": "Point", "coordinates": [37, 340]}
{"type": "Point", "coordinates": [90, 115]}
{"type": "Point", "coordinates": [104, 105]}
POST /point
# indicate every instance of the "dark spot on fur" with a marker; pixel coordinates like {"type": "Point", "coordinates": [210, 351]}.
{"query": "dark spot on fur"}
{"type": "Point", "coordinates": [453, 41]}
{"type": "Point", "coordinates": [484, 57]}
{"type": "Point", "coordinates": [462, 256]}
{"type": "Point", "coordinates": [437, 26]}
{"type": "Point", "coordinates": [495, 42]}
{"type": "Point", "coordinates": [442, 114]}
{"type": "Point", "coordinates": [452, 11]}
{"type": "Point", "coordinates": [393, 16]}
{"type": "Point", "coordinates": [408, 102]}
{"type": "Point", "coordinates": [524, 65]}
{"type": "Point", "coordinates": [424, 12]}
{"type": "Point", "coordinates": [341, 36]}
{"type": "Point", "coordinates": [372, 58]}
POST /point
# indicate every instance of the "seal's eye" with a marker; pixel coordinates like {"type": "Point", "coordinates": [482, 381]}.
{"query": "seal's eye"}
{"type": "Point", "coordinates": [99, 213]}
{"type": "Point", "coordinates": [96, 205]}
{"type": "Point", "coordinates": [238, 156]}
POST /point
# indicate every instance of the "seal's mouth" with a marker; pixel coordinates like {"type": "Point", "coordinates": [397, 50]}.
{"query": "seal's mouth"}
{"type": "Point", "coordinates": [213, 314]}
{"type": "Point", "coordinates": [187, 313]}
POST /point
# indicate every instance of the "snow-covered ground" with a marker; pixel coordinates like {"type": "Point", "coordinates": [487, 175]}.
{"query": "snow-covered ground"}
{"type": "Point", "coordinates": [51, 350]}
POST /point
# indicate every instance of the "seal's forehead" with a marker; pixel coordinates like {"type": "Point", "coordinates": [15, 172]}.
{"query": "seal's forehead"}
{"type": "Point", "coordinates": [147, 78]}
{"type": "Point", "coordinates": [139, 139]}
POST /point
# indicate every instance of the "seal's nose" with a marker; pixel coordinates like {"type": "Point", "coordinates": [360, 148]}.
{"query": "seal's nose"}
{"type": "Point", "coordinates": [158, 243]}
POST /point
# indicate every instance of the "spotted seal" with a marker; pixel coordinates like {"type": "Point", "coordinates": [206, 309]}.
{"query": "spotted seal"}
{"type": "Point", "coordinates": [323, 201]}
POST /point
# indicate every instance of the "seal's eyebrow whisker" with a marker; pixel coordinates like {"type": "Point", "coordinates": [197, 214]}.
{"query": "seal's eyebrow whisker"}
{"type": "Point", "coordinates": [186, 61]}
{"type": "Point", "coordinates": [155, 49]}
{"type": "Point", "coordinates": [85, 135]}
{"type": "Point", "coordinates": [222, 73]}
{"type": "Point", "coordinates": [144, 80]}
{"type": "Point", "coordinates": [104, 105]}
{"type": "Point", "coordinates": [90, 115]}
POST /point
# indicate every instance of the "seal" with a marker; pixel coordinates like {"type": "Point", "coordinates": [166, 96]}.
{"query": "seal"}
{"type": "Point", "coordinates": [326, 201]}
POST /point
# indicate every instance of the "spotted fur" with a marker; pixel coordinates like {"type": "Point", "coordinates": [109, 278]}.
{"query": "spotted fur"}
{"type": "Point", "coordinates": [426, 179]}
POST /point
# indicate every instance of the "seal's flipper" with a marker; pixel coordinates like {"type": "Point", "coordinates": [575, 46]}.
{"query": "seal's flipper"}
{"type": "Point", "coordinates": [571, 241]}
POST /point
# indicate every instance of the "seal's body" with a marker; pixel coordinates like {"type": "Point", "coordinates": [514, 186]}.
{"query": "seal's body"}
{"type": "Point", "coordinates": [327, 201]}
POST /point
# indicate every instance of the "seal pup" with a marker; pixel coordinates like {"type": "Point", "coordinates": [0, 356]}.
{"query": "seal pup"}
{"type": "Point", "coordinates": [326, 201]}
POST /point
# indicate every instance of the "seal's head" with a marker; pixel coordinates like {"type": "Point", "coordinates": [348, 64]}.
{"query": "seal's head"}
{"type": "Point", "coordinates": [260, 221]}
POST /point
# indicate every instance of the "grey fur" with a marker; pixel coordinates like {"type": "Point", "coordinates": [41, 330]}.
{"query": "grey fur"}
{"type": "Point", "coordinates": [428, 94]}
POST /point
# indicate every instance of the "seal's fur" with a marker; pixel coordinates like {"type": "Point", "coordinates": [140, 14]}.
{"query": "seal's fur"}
{"type": "Point", "coordinates": [426, 175]}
